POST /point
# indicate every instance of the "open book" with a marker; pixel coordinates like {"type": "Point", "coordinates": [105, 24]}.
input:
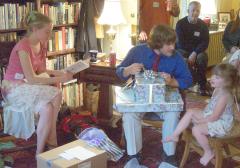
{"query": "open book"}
{"type": "Point", "coordinates": [78, 66]}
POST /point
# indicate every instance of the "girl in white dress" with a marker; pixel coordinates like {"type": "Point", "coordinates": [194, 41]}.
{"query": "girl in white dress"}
{"type": "Point", "coordinates": [217, 118]}
{"type": "Point", "coordinates": [27, 91]}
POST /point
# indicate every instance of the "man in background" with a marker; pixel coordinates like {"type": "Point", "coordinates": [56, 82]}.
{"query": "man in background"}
{"type": "Point", "coordinates": [192, 42]}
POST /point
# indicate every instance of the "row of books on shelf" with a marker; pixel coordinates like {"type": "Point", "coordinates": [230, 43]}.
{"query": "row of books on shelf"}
{"type": "Point", "coordinates": [12, 15]}
{"type": "Point", "coordinates": [62, 12]}
{"type": "Point", "coordinates": [62, 39]}
{"type": "Point", "coordinates": [61, 62]}
{"type": "Point", "coordinates": [72, 94]}
{"type": "Point", "coordinates": [9, 37]}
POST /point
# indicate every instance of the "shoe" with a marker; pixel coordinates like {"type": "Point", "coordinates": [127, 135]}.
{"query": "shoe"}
{"type": "Point", "coordinates": [203, 92]}
{"type": "Point", "coordinates": [170, 159]}
{"type": "Point", "coordinates": [138, 156]}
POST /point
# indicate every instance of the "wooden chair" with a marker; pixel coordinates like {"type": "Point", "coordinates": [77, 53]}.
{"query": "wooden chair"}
{"type": "Point", "coordinates": [225, 147]}
{"type": "Point", "coordinates": [5, 48]}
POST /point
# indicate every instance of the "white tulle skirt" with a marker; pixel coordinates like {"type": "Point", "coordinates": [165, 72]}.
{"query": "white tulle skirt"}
{"type": "Point", "coordinates": [22, 103]}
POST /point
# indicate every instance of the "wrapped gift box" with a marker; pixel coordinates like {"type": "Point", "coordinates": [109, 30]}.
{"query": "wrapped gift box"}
{"type": "Point", "coordinates": [149, 88]}
{"type": "Point", "coordinates": [148, 95]}
{"type": "Point", "coordinates": [125, 102]}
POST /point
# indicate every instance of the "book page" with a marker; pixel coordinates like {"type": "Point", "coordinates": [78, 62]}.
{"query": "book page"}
{"type": "Point", "coordinates": [77, 66]}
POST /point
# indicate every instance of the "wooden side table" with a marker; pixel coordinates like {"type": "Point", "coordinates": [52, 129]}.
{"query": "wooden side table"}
{"type": "Point", "coordinates": [105, 75]}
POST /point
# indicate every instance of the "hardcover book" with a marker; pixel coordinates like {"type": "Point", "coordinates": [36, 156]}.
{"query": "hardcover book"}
{"type": "Point", "coordinates": [77, 66]}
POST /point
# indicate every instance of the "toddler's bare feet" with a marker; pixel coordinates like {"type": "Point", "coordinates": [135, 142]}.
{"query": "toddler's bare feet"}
{"type": "Point", "coordinates": [207, 157]}
{"type": "Point", "coordinates": [171, 138]}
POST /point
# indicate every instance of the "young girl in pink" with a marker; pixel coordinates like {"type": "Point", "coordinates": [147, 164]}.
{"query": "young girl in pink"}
{"type": "Point", "coordinates": [217, 118]}
{"type": "Point", "coordinates": [26, 88]}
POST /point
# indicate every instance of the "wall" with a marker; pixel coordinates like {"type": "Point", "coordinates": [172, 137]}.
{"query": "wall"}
{"type": "Point", "coordinates": [225, 5]}
{"type": "Point", "coordinates": [235, 5]}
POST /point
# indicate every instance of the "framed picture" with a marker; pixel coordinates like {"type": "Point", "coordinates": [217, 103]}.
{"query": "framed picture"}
{"type": "Point", "coordinates": [224, 17]}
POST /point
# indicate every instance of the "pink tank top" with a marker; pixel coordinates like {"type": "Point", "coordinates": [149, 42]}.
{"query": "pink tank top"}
{"type": "Point", "coordinates": [14, 70]}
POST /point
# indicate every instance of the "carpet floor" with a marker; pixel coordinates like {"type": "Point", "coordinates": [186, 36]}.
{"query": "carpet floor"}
{"type": "Point", "coordinates": [152, 147]}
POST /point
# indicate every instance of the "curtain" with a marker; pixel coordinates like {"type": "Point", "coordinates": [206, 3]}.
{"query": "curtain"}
{"type": "Point", "coordinates": [86, 34]}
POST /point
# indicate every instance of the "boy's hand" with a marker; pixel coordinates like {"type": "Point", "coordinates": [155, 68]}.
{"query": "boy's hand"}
{"type": "Point", "coordinates": [133, 69]}
{"type": "Point", "coordinates": [167, 77]}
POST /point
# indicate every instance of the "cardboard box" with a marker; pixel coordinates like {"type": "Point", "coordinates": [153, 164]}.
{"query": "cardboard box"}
{"type": "Point", "coordinates": [51, 159]}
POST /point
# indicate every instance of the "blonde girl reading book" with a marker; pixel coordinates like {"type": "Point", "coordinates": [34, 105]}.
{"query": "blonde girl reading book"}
{"type": "Point", "coordinates": [216, 119]}
{"type": "Point", "coordinates": [26, 86]}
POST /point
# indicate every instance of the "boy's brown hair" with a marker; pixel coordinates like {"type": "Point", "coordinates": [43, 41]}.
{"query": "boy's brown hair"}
{"type": "Point", "coordinates": [160, 35]}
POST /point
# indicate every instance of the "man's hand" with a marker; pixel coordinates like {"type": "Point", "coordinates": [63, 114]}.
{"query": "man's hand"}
{"type": "Point", "coordinates": [192, 58]}
{"type": "Point", "coordinates": [143, 36]}
{"type": "Point", "coordinates": [132, 69]}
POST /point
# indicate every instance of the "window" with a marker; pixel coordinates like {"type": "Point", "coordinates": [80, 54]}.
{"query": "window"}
{"type": "Point", "coordinates": [208, 8]}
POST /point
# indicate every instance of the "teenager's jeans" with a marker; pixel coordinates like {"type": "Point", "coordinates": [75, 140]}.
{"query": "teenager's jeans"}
{"type": "Point", "coordinates": [133, 131]}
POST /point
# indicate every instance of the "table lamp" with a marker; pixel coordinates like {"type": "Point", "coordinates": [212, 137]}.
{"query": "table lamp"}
{"type": "Point", "coordinates": [112, 16]}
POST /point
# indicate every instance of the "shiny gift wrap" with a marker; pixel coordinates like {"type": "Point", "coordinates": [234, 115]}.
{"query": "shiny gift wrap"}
{"type": "Point", "coordinates": [149, 87]}
{"type": "Point", "coordinates": [148, 94]}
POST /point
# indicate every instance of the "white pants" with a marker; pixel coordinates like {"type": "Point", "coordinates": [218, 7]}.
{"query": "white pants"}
{"type": "Point", "coordinates": [133, 131]}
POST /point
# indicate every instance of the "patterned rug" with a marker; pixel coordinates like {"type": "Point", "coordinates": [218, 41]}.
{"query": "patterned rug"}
{"type": "Point", "coordinates": [152, 147]}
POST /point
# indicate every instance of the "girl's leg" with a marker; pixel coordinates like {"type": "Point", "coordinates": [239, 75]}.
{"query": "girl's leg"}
{"type": "Point", "coordinates": [52, 137]}
{"type": "Point", "coordinates": [200, 132]}
{"type": "Point", "coordinates": [44, 126]}
{"type": "Point", "coordinates": [183, 124]}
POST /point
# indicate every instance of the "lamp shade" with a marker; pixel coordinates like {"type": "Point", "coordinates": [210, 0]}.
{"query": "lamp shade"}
{"type": "Point", "coordinates": [112, 13]}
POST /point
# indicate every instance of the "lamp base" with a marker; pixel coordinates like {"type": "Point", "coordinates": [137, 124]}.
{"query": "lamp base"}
{"type": "Point", "coordinates": [111, 32]}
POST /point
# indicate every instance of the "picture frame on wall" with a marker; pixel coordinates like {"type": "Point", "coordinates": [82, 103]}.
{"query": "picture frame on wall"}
{"type": "Point", "coordinates": [224, 17]}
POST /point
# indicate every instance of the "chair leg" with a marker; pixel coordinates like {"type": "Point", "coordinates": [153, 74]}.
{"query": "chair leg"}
{"type": "Point", "coordinates": [123, 140]}
{"type": "Point", "coordinates": [186, 150]}
{"type": "Point", "coordinates": [218, 156]}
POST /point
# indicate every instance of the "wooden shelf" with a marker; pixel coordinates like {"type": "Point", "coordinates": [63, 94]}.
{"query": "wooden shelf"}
{"type": "Point", "coordinates": [23, 29]}
{"type": "Point", "coordinates": [65, 25]}
{"type": "Point", "coordinates": [13, 30]}
{"type": "Point", "coordinates": [54, 1]}
{"type": "Point", "coordinates": [16, 1]}
{"type": "Point", "coordinates": [62, 52]}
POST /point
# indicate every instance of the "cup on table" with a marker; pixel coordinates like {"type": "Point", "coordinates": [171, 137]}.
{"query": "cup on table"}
{"type": "Point", "coordinates": [93, 55]}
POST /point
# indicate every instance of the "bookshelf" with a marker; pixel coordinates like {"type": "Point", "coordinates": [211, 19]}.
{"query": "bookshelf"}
{"type": "Point", "coordinates": [64, 14]}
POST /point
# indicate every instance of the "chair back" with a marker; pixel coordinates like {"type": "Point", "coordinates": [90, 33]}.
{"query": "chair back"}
{"type": "Point", "coordinates": [5, 51]}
